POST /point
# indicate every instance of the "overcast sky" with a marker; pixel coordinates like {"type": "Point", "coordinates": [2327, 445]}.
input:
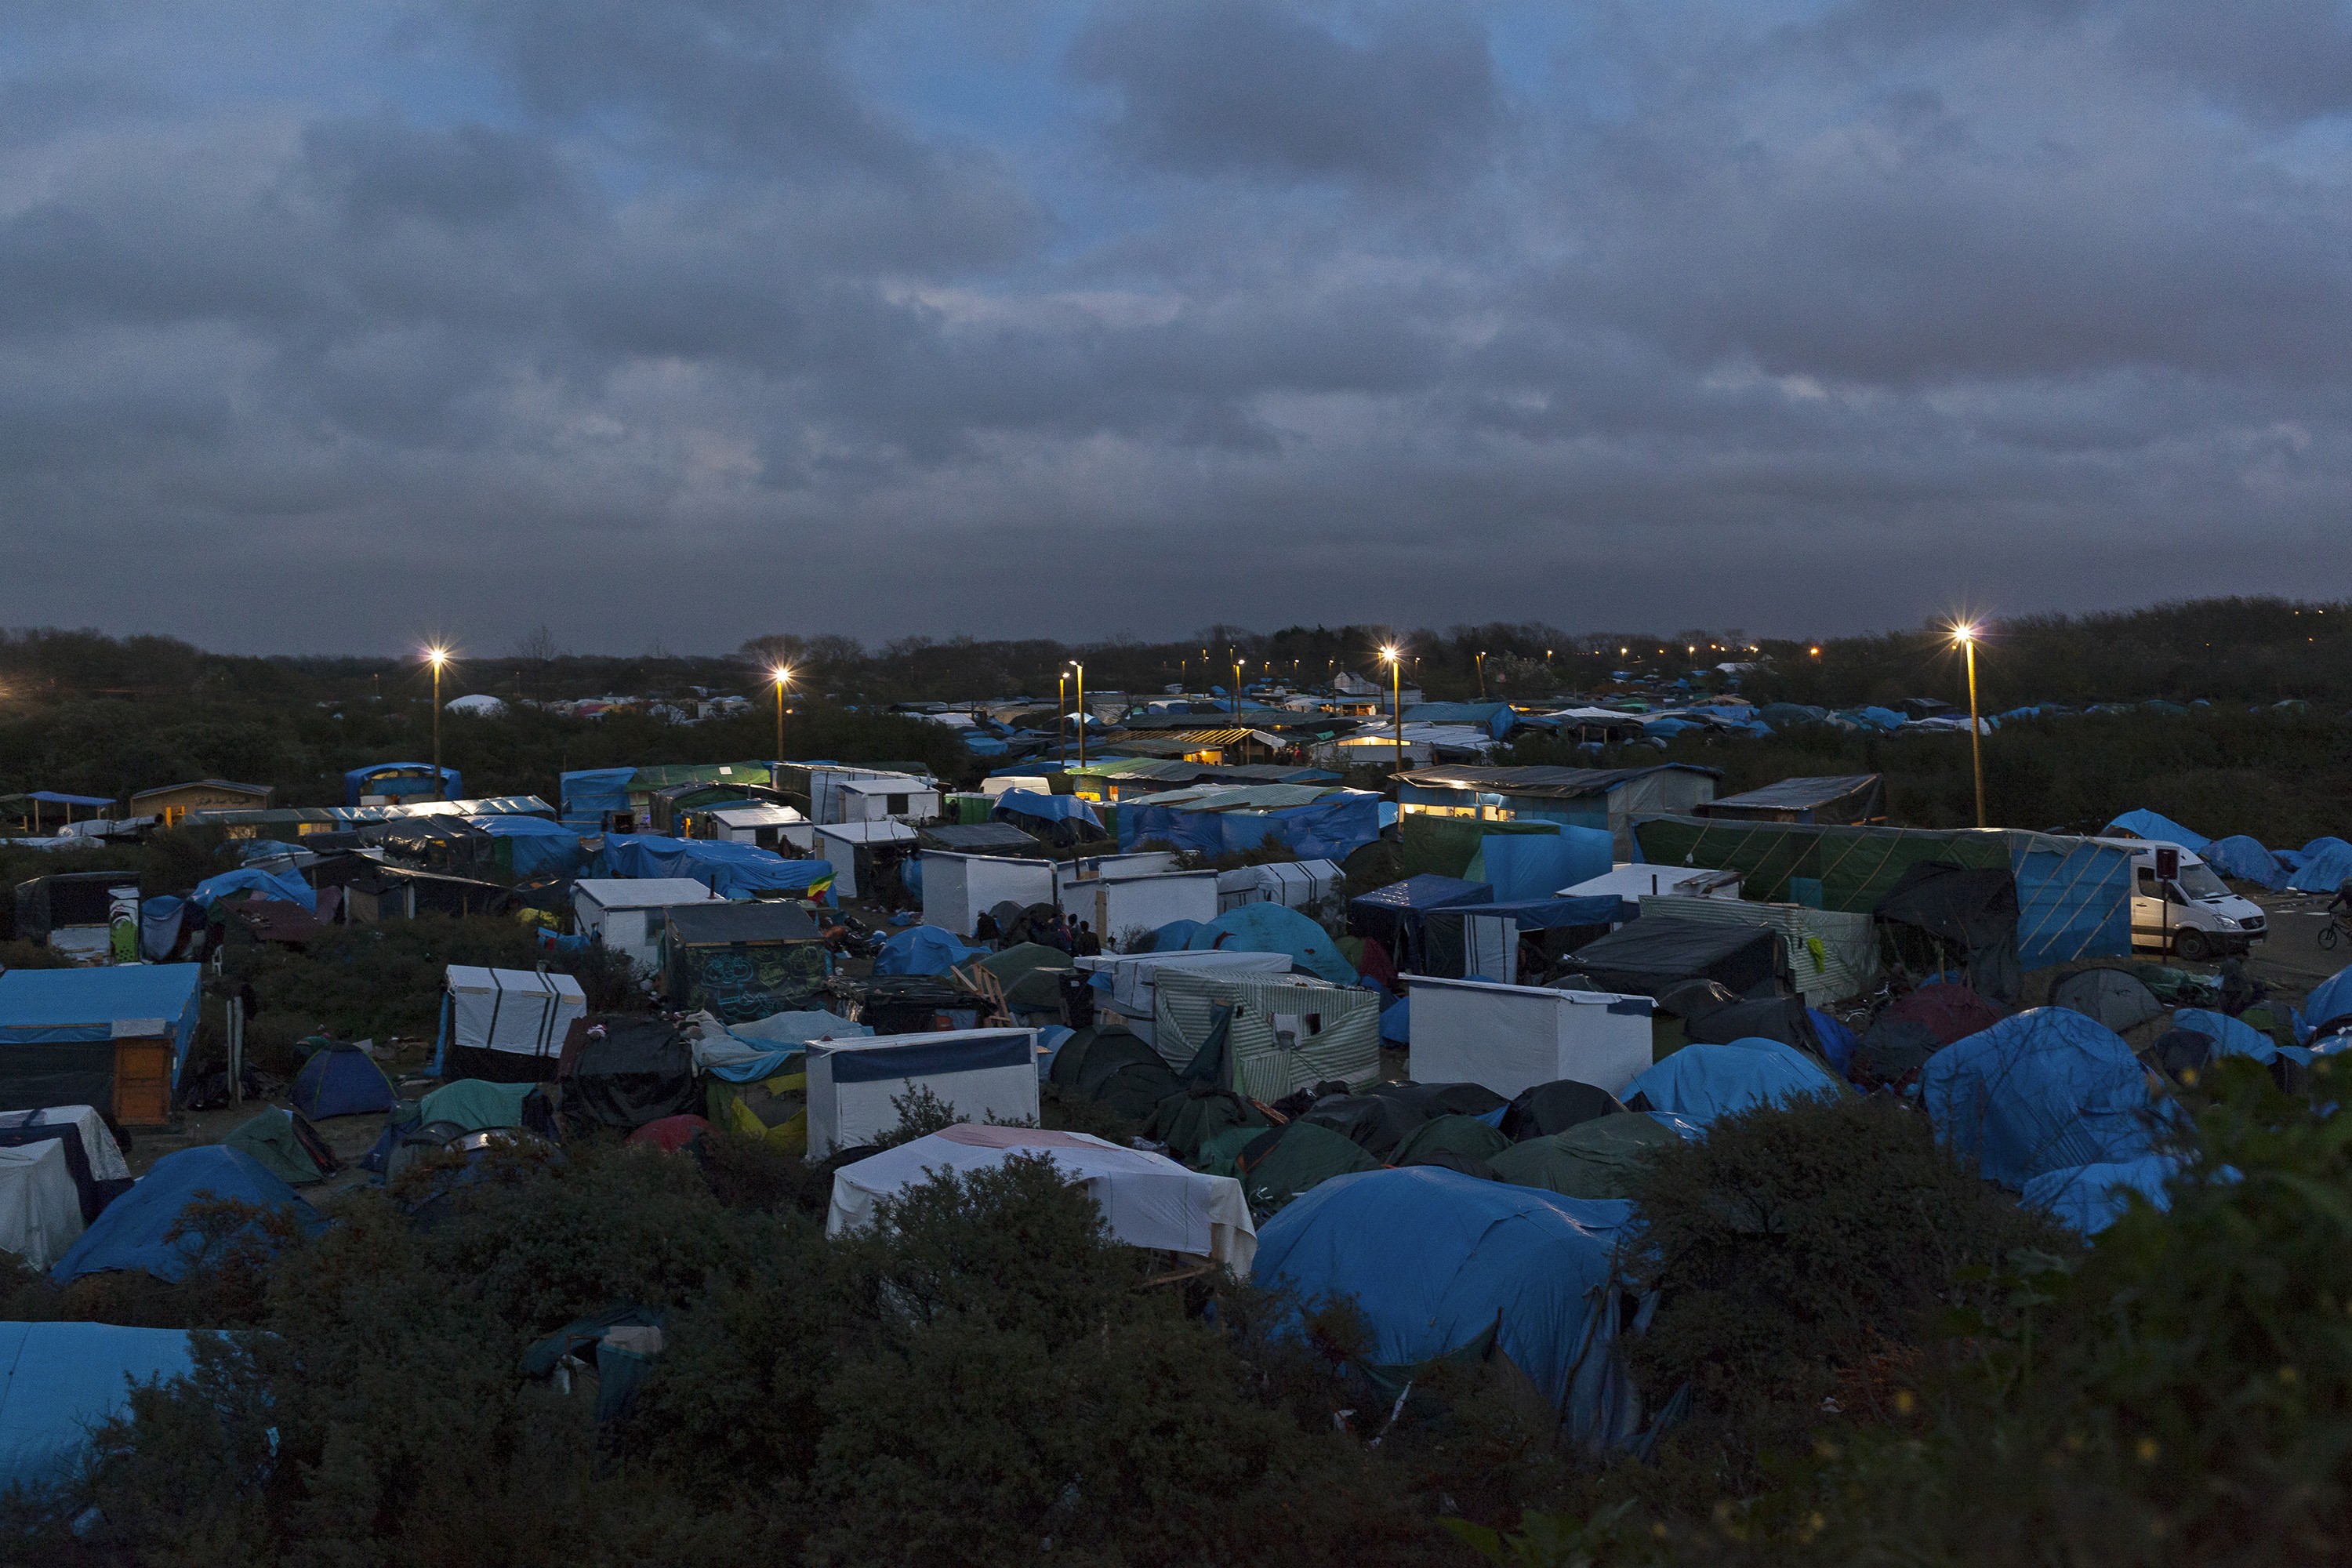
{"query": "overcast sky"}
{"type": "Point", "coordinates": [324, 327]}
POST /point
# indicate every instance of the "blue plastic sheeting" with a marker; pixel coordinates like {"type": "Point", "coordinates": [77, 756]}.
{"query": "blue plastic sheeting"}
{"type": "Point", "coordinates": [1669, 726]}
{"type": "Point", "coordinates": [2244, 859]}
{"type": "Point", "coordinates": [1434, 1259]}
{"type": "Point", "coordinates": [1884, 718]}
{"type": "Point", "coordinates": [586, 796]}
{"type": "Point", "coordinates": [53, 797]}
{"type": "Point", "coordinates": [159, 925]}
{"type": "Point", "coordinates": [1496, 718]}
{"type": "Point", "coordinates": [1396, 1022]}
{"type": "Point", "coordinates": [1537, 865]}
{"type": "Point", "coordinates": [1173, 937]}
{"type": "Point", "coordinates": [2089, 1198]}
{"type": "Point", "coordinates": [2327, 863]}
{"type": "Point", "coordinates": [264, 849]}
{"type": "Point", "coordinates": [1837, 1040]}
{"type": "Point", "coordinates": [130, 1234]}
{"type": "Point", "coordinates": [339, 1083]}
{"type": "Point", "coordinates": [1047, 808]}
{"type": "Point", "coordinates": [2230, 1036]}
{"type": "Point", "coordinates": [2071, 904]}
{"type": "Point", "coordinates": [779, 1037]}
{"type": "Point", "coordinates": [1551, 914]}
{"type": "Point", "coordinates": [262, 884]}
{"type": "Point", "coordinates": [539, 848]}
{"type": "Point", "coordinates": [731, 870]}
{"type": "Point", "coordinates": [1703, 1082]}
{"type": "Point", "coordinates": [2045, 1090]}
{"type": "Point", "coordinates": [923, 950]}
{"type": "Point", "coordinates": [1331, 829]}
{"type": "Point", "coordinates": [396, 779]}
{"type": "Point", "coordinates": [40, 1006]}
{"type": "Point", "coordinates": [2329, 1000]}
{"type": "Point", "coordinates": [2162, 829]}
{"type": "Point", "coordinates": [1272, 927]}
{"type": "Point", "coordinates": [61, 1380]}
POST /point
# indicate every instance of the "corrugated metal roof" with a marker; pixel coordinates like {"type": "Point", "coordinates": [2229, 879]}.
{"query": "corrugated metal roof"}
{"type": "Point", "coordinates": [1563, 783]}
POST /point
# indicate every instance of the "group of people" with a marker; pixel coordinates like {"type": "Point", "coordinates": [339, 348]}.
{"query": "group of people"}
{"type": "Point", "coordinates": [1080, 941]}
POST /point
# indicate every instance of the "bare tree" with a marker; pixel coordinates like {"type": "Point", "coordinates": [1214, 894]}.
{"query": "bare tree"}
{"type": "Point", "coordinates": [539, 644]}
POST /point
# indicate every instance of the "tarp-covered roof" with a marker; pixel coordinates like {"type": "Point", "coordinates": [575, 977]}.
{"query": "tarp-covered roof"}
{"type": "Point", "coordinates": [41, 1005]}
{"type": "Point", "coordinates": [1559, 783]}
{"type": "Point", "coordinates": [1843, 797]}
{"type": "Point", "coordinates": [2045, 1090]}
{"type": "Point", "coordinates": [754, 921]}
{"type": "Point", "coordinates": [2157, 828]}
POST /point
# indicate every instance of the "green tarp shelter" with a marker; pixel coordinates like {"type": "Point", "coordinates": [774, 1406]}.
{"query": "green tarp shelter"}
{"type": "Point", "coordinates": [475, 1104]}
{"type": "Point", "coordinates": [284, 1145]}
{"type": "Point", "coordinates": [1464, 1143]}
{"type": "Point", "coordinates": [1303, 1158]}
{"type": "Point", "coordinates": [1597, 1159]}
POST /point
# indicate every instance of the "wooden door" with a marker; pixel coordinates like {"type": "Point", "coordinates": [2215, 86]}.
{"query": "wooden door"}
{"type": "Point", "coordinates": [142, 1082]}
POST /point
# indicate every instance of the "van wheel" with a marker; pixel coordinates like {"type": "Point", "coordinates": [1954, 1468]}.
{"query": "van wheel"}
{"type": "Point", "coordinates": [2192, 945]}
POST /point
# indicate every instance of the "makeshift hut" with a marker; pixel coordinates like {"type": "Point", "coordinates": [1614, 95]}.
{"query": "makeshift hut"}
{"type": "Point", "coordinates": [1850, 798]}
{"type": "Point", "coordinates": [137, 1231]}
{"type": "Point", "coordinates": [866, 858]}
{"type": "Point", "coordinates": [625, 913]}
{"type": "Point", "coordinates": [1512, 1037]}
{"type": "Point", "coordinates": [1305, 885]}
{"type": "Point", "coordinates": [116, 1037]}
{"type": "Point", "coordinates": [1125, 984]}
{"type": "Point", "coordinates": [1438, 1262]}
{"type": "Point", "coordinates": [741, 960]}
{"type": "Point", "coordinates": [1651, 957]}
{"type": "Point", "coordinates": [1122, 908]}
{"type": "Point", "coordinates": [1939, 917]}
{"type": "Point", "coordinates": [504, 1026]}
{"type": "Point", "coordinates": [959, 888]}
{"type": "Point", "coordinates": [1604, 798]}
{"type": "Point", "coordinates": [1511, 941]}
{"type": "Point", "coordinates": [525, 848]}
{"type": "Point", "coordinates": [1831, 954]}
{"type": "Point", "coordinates": [983, 1074]}
{"type": "Point", "coordinates": [623, 1071]}
{"type": "Point", "coordinates": [1060, 819]}
{"type": "Point", "coordinates": [1147, 1200]}
{"type": "Point", "coordinates": [1287, 1034]}
{"type": "Point", "coordinates": [93, 1160]}
{"type": "Point", "coordinates": [1393, 916]}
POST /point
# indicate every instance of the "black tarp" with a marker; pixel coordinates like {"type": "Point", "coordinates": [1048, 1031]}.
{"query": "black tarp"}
{"type": "Point", "coordinates": [1939, 916]}
{"type": "Point", "coordinates": [625, 1072]}
{"type": "Point", "coordinates": [1380, 1118]}
{"type": "Point", "coordinates": [1555, 1107]}
{"type": "Point", "coordinates": [37, 1074]}
{"type": "Point", "coordinates": [978, 839]}
{"type": "Point", "coordinates": [1654, 955]}
{"type": "Point", "coordinates": [95, 1192]}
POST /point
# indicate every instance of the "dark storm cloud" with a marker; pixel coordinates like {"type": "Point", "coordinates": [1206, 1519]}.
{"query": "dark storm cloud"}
{"type": "Point", "coordinates": [694, 321]}
{"type": "Point", "coordinates": [1219, 86]}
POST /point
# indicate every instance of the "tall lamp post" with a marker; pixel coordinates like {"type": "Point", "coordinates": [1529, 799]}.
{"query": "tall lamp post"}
{"type": "Point", "coordinates": [1238, 690]}
{"type": "Point", "coordinates": [1966, 636]}
{"type": "Point", "coordinates": [781, 673]}
{"type": "Point", "coordinates": [1061, 720]}
{"type": "Point", "coordinates": [1396, 701]}
{"type": "Point", "coordinates": [1082, 713]}
{"type": "Point", "coordinates": [437, 657]}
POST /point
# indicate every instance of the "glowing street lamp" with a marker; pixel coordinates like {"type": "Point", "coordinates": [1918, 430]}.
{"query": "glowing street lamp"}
{"type": "Point", "coordinates": [1082, 713]}
{"type": "Point", "coordinates": [779, 675]}
{"type": "Point", "coordinates": [1966, 635]}
{"type": "Point", "coordinates": [1396, 675]}
{"type": "Point", "coordinates": [1481, 675]}
{"type": "Point", "coordinates": [436, 657]}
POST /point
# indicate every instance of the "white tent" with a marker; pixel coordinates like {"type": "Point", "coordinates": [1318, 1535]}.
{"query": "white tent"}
{"type": "Point", "coordinates": [980, 1073]}
{"type": "Point", "coordinates": [40, 1208]}
{"type": "Point", "coordinates": [1294, 884]}
{"type": "Point", "coordinates": [103, 1154]}
{"type": "Point", "coordinates": [625, 912]}
{"type": "Point", "coordinates": [517, 1011]}
{"type": "Point", "coordinates": [1147, 1200]}
{"type": "Point", "coordinates": [957, 888]}
{"type": "Point", "coordinates": [1513, 1037]}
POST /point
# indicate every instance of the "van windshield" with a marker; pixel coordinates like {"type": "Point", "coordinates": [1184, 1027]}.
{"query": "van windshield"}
{"type": "Point", "coordinates": [2198, 882]}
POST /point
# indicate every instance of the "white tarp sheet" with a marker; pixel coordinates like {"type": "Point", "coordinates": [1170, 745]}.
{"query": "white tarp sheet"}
{"type": "Point", "coordinates": [40, 1208]}
{"type": "Point", "coordinates": [513, 1010]}
{"type": "Point", "coordinates": [1147, 1200]}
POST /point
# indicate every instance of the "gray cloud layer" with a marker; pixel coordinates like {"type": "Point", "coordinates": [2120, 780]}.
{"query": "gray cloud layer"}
{"type": "Point", "coordinates": [695, 321]}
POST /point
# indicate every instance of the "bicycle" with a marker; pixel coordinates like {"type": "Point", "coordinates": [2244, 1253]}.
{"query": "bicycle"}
{"type": "Point", "coordinates": [2334, 931]}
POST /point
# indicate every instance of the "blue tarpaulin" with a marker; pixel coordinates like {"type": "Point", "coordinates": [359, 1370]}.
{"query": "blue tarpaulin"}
{"type": "Point", "coordinates": [731, 870]}
{"type": "Point", "coordinates": [2230, 1036]}
{"type": "Point", "coordinates": [1331, 829]}
{"type": "Point", "coordinates": [2244, 859]}
{"type": "Point", "coordinates": [159, 926]}
{"type": "Point", "coordinates": [587, 794]}
{"type": "Point", "coordinates": [2074, 900]}
{"type": "Point", "coordinates": [1435, 1260]}
{"type": "Point", "coordinates": [1536, 864]}
{"type": "Point", "coordinates": [2326, 864]}
{"type": "Point", "coordinates": [1273, 927]}
{"type": "Point", "coordinates": [2089, 1198]}
{"type": "Point", "coordinates": [923, 950]}
{"type": "Point", "coordinates": [132, 1234]}
{"type": "Point", "coordinates": [1045, 808]}
{"type": "Point", "coordinates": [341, 1080]}
{"type": "Point", "coordinates": [1703, 1082]}
{"type": "Point", "coordinates": [2329, 1001]}
{"type": "Point", "coordinates": [281, 885]}
{"type": "Point", "coordinates": [2045, 1090]}
{"type": "Point", "coordinates": [535, 846]}
{"type": "Point", "coordinates": [57, 1006]}
{"type": "Point", "coordinates": [59, 1382]}
{"type": "Point", "coordinates": [2157, 828]}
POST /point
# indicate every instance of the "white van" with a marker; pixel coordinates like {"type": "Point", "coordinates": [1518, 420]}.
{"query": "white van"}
{"type": "Point", "coordinates": [2194, 914]}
